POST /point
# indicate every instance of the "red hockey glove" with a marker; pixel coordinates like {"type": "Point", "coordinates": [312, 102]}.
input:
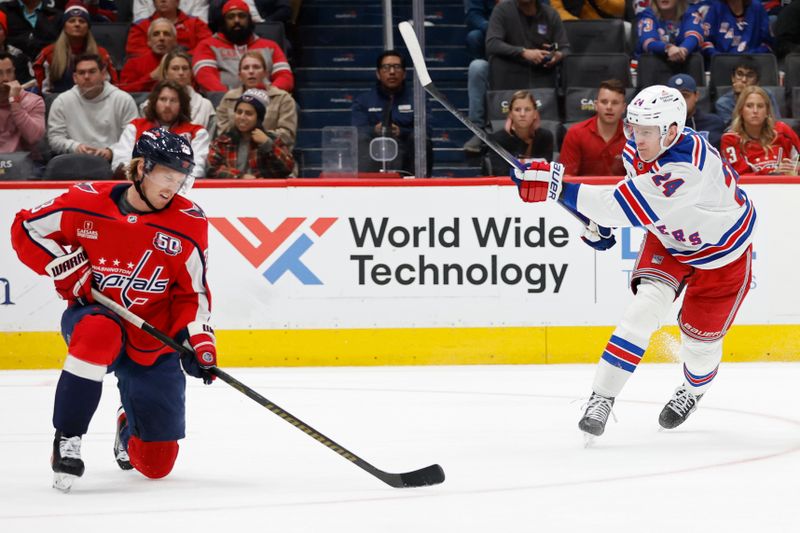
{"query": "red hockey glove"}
{"type": "Point", "coordinates": [539, 182]}
{"type": "Point", "coordinates": [72, 276]}
{"type": "Point", "coordinates": [202, 342]}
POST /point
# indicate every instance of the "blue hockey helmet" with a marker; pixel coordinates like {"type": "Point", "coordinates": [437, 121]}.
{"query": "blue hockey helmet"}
{"type": "Point", "coordinates": [159, 146]}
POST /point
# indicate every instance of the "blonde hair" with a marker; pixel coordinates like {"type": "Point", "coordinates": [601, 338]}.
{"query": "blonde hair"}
{"type": "Point", "coordinates": [521, 95]}
{"type": "Point", "coordinates": [132, 169]}
{"type": "Point", "coordinates": [767, 133]}
{"type": "Point", "coordinates": [62, 54]}
{"type": "Point", "coordinates": [168, 58]}
{"type": "Point", "coordinates": [680, 9]}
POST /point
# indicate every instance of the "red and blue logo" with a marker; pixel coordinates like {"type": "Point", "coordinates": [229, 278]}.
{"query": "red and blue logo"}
{"type": "Point", "coordinates": [269, 240]}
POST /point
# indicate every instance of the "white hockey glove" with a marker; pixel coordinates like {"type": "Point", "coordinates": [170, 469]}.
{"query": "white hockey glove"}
{"type": "Point", "coordinates": [598, 237]}
{"type": "Point", "coordinates": [539, 182]}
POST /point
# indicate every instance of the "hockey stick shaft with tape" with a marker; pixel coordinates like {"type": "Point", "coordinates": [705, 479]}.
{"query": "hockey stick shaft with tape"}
{"type": "Point", "coordinates": [424, 78]}
{"type": "Point", "coordinates": [430, 475]}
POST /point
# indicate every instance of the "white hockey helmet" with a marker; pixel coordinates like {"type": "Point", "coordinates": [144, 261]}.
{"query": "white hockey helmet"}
{"type": "Point", "coordinates": [657, 105]}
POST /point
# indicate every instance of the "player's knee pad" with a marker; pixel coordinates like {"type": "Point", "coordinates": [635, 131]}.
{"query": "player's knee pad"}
{"type": "Point", "coordinates": [153, 459]}
{"type": "Point", "coordinates": [96, 339]}
{"type": "Point", "coordinates": [648, 310]}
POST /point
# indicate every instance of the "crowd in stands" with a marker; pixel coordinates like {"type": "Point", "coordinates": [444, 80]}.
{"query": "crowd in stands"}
{"type": "Point", "coordinates": [198, 67]}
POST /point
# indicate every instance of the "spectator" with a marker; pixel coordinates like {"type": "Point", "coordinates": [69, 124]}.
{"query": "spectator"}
{"type": "Point", "coordinates": [22, 63]}
{"type": "Point", "coordinates": [216, 59]}
{"type": "Point", "coordinates": [594, 147]}
{"type": "Point", "coordinates": [737, 27]}
{"type": "Point", "coordinates": [704, 123]}
{"type": "Point", "coordinates": [281, 115]}
{"type": "Point", "coordinates": [589, 9]}
{"type": "Point", "coordinates": [142, 9]}
{"type": "Point", "coordinates": [477, 20]}
{"type": "Point", "coordinates": [521, 135]}
{"type": "Point", "coordinates": [246, 151]}
{"type": "Point", "coordinates": [177, 66]}
{"type": "Point", "coordinates": [140, 73]}
{"type": "Point", "coordinates": [743, 74]}
{"type": "Point", "coordinates": [756, 143]}
{"type": "Point", "coordinates": [167, 107]}
{"type": "Point", "coordinates": [388, 111]}
{"type": "Point", "coordinates": [527, 32]}
{"type": "Point", "coordinates": [262, 10]}
{"type": "Point", "coordinates": [92, 114]}
{"type": "Point", "coordinates": [32, 25]}
{"type": "Point", "coordinates": [189, 30]}
{"type": "Point", "coordinates": [478, 13]}
{"type": "Point", "coordinates": [787, 29]}
{"type": "Point", "coordinates": [21, 112]}
{"type": "Point", "coordinates": [54, 66]}
{"type": "Point", "coordinates": [669, 29]}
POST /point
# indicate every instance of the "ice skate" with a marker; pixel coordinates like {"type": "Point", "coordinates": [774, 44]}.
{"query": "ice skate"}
{"type": "Point", "coordinates": [678, 408]}
{"type": "Point", "coordinates": [120, 453]}
{"type": "Point", "coordinates": [594, 419]}
{"type": "Point", "coordinates": [66, 461]}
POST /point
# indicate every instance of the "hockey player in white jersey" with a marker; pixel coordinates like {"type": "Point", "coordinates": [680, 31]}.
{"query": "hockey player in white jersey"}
{"type": "Point", "coordinates": [699, 229]}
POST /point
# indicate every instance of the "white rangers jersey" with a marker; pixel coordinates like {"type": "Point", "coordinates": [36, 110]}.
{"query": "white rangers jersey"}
{"type": "Point", "coordinates": [688, 198]}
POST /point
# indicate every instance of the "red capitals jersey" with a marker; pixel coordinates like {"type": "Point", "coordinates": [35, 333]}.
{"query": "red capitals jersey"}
{"type": "Point", "coordinates": [151, 263]}
{"type": "Point", "coordinates": [753, 158]}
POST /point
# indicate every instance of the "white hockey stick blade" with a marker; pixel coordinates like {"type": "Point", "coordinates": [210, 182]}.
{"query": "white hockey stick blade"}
{"type": "Point", "coordinates": [417, 57]}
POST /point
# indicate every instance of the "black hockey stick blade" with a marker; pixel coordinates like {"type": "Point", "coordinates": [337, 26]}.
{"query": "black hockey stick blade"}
{"type": "Point", "coordinates": [430, 475]}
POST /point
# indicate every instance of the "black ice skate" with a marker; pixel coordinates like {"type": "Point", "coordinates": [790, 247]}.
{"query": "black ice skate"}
{"type": "Point", "coordinates": [66, 461]}
{"type": "Point", "coordinates": [120, 452]}
{"type": "Point", "coordinates": [678, 408]}
{"type": "Point", "coordinates": [594, 419]}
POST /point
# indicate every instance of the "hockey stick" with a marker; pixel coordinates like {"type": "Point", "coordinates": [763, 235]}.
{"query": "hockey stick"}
{"type": "Point", "coordinates": [421, 71]}
{"type": "Point", "coordinates": [430, 475]}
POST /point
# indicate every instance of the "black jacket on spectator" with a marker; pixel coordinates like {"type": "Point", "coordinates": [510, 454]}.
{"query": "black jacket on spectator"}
{"type": "Point", "coordinates": [23, 36]}
{"type": "Point", "coordinates": [541, 148]}
{"type": "Point", "coordinates": [787, 29]}
{"type": "Point", "coordinates": [709, 122]}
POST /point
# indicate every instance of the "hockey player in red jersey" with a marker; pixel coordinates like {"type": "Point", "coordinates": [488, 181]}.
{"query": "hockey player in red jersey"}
{"type": "Point", "coordinates": [145, 247]}
{"type": "Point", "coordinates": [699, 230]}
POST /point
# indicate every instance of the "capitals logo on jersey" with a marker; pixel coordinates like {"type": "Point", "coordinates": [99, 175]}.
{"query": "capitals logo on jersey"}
{"type": "Point", "coordinates": [130, 278]}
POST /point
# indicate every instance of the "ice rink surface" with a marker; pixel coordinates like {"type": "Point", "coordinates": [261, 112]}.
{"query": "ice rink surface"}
{"type": "Point", "coordinates": [506, 437]}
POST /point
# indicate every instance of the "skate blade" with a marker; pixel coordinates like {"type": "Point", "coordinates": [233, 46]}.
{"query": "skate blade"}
{"type": "Point", "coordinates": [588, 440]}
{"type": "Point", "coordinates": [63, 482]}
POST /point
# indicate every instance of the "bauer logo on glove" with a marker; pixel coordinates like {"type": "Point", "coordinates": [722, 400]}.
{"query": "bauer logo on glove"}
{"type": "Point", "coordinates": [539, 181]}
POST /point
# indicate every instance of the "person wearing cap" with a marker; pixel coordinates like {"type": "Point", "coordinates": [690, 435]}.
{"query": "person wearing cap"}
{"type": "Point", "coordinates": [168, 107]}
{"type": "Point", "coordinates": [707, 124]}
{"type": "Point", "coordinates": [54, 66]}
{"type": "Point", "coordinates": [31, 24]}
{"type": "Point", "coordinates": [140, 73]}
{"type": "Point", "coordinates": [216, 59]}
{"type": "Point", "coordinates": [594, 147]}
{"type": "Point", "coordinates": [22, 63]}
{"type": "Point", "coordinates": [189, 30]}
{"type": "Point", "coordinates": [245, 151]}
{"type": "Point", "coordinates": [281, 115]}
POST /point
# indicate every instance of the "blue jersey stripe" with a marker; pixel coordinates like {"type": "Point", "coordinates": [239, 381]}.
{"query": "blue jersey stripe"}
{"type": "Point", "coordinates": [643, 202]}
{"type": "Point", "coordinates": [627, 345]}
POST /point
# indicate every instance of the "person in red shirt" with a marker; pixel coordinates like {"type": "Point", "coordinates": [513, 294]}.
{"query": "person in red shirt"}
{"type": "Point", "coordinates": [756, 143]}
{"type": "Point", "coordinates": [594, 147]}
{"type": "Point", "coordinates": [140, 73]}
{"type": "Point", "coordinates": [190, 30]}
{"type": "Point", "coordinates": [144, 246]}
{"type": "Point", "coordinates": [216, 59]}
